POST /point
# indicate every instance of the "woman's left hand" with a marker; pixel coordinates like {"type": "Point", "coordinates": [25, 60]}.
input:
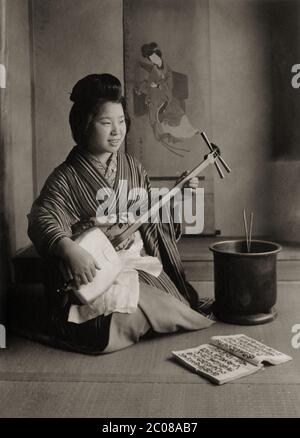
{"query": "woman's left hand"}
{"type": "Point", "coordinates": [192, 183]}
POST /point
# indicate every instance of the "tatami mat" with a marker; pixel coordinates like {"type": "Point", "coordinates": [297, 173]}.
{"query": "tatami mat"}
{"type": "Point", "coordinates": [147, 400]}
{"type": "Point", "coordinates": [143, 380]}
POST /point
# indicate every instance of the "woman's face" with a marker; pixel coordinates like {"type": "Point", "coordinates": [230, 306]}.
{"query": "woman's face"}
{"type": "Point", "coordinates": [107, 131]}
{"type": "Point", "coordinates": [155, 59]}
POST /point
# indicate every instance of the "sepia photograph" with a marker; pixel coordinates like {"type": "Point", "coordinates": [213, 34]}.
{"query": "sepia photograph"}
{"type": "Point", "coordinates": [149, 212]}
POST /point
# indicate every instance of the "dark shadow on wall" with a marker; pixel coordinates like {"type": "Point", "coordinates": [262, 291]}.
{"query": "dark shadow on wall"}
{"type": "Point", "coordinates": [4, 268]}
{"type": "Point", "coordinates": [4, 232]}
{"type": "Point", "coordinates": [285, 44]}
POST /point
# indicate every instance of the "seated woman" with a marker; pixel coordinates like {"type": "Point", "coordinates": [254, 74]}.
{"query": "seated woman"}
{"type": "Point", "coordinates": [67, 206]}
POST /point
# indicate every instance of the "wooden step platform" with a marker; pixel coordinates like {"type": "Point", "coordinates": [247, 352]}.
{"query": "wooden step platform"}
{"type": "Point", "coordinates": [198, 259]}
{"type": "Point", "coordinates": [195, 254]}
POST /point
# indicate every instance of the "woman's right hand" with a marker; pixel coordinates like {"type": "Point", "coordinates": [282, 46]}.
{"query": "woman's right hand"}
{"type": "Point", "coordinates": [77, 263]}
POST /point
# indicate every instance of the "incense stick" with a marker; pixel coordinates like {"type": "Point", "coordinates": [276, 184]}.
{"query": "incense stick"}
{"type": "Point", "coordinates": [250, 231]}
{"type": "Point", "coordinates": [246, 229]}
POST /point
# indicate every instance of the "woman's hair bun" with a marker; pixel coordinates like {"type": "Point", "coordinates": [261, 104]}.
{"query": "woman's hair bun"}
{"type": "Point", "coordinates": [150, 48]}
{"type": "Point", "coordinates": [96, 86]}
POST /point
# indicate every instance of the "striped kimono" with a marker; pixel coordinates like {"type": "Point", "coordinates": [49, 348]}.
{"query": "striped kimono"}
{"type": "Point", "coordinates": [166, 303]}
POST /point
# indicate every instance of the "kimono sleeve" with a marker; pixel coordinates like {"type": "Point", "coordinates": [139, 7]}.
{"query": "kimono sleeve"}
{"type": "Point", "coordinates": [167, 84]}
{"type": "Point", "coordinates": [49, 219]}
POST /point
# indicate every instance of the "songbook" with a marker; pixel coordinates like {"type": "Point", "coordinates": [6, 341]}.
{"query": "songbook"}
{"type": "Point", "coordinates": [227, 358]}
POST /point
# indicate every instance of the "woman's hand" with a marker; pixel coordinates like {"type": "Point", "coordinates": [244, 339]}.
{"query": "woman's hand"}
{"type": "Point", "coordinates": [77, 263]}
{"type": "Point", "coordinates": [192, 183]}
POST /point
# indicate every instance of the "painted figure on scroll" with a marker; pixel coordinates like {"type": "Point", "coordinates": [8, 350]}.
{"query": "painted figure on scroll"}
{"type": "Point", "coordinates": [167, 115]}
{"type": "Point", "coordinates": [122, 286]}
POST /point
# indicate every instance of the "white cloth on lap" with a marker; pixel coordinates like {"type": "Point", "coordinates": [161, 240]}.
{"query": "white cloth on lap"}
{"type": "Point", "coordinates": [115, 288]}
